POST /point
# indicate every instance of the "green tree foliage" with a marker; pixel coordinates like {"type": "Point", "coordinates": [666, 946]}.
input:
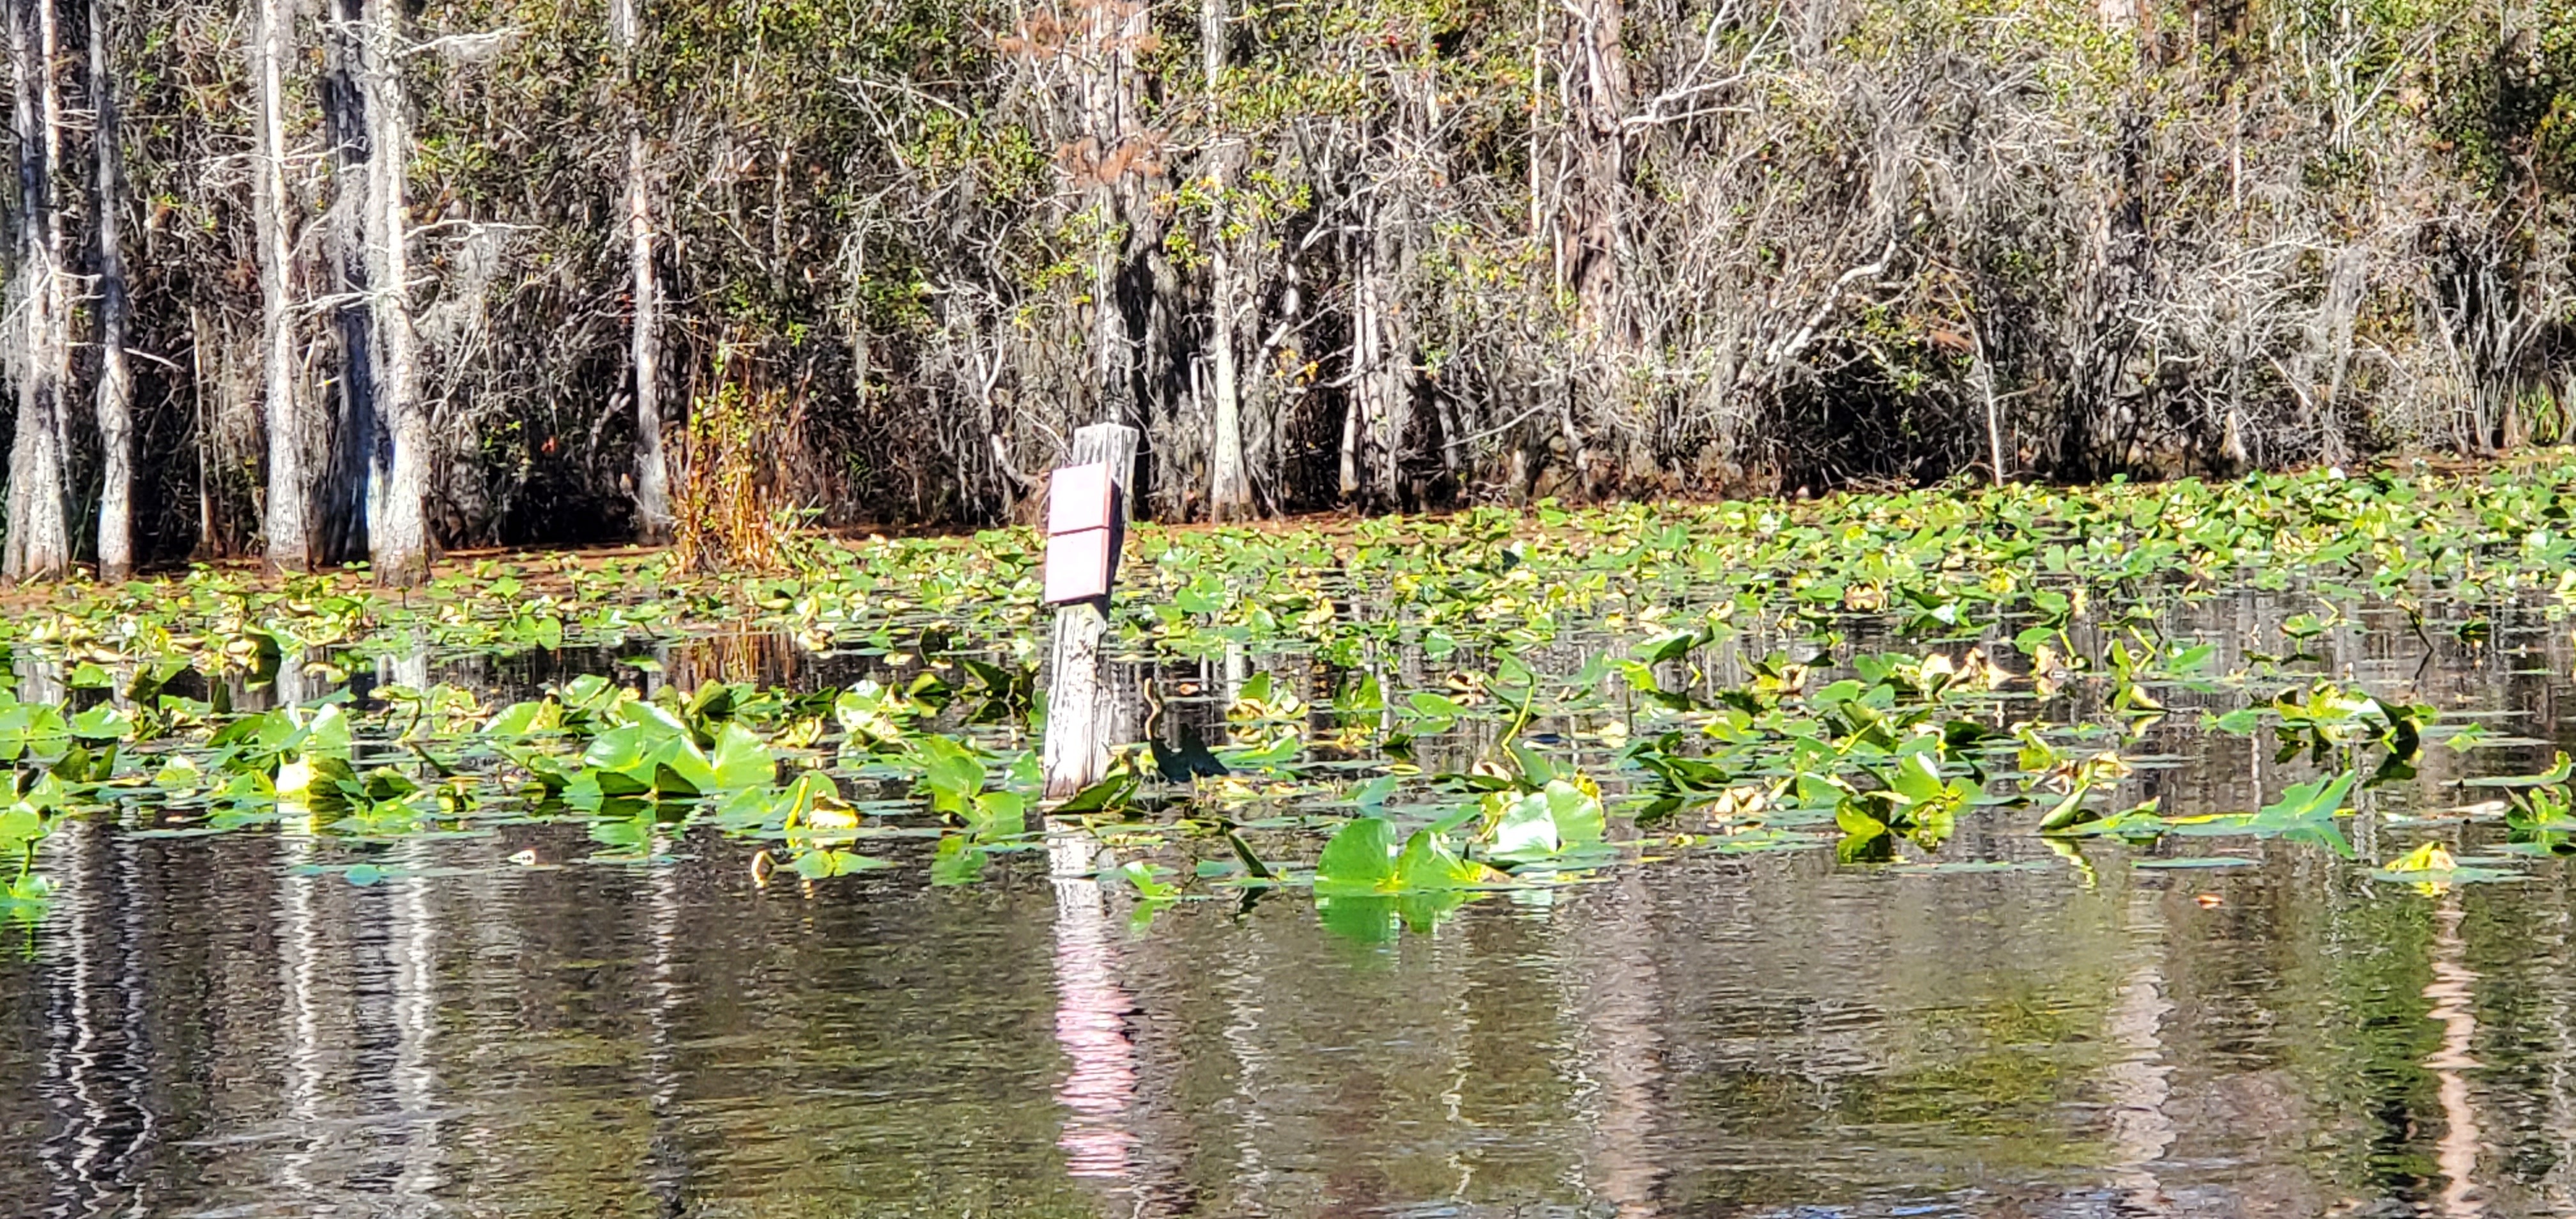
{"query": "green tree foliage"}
{"type": "Point", "coordinates": [1471, 251]}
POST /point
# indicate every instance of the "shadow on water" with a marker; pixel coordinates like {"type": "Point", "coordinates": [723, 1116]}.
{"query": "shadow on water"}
{"type": "Point", "coordinates": [221, 1026]}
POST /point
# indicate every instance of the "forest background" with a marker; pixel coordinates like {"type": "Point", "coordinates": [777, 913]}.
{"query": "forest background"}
{"type": "Point", "coordinates": [330, 280]}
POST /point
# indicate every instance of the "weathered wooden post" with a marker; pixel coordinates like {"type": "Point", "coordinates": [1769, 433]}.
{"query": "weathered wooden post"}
{"type": "Point", "coordinates": [1086, 526]}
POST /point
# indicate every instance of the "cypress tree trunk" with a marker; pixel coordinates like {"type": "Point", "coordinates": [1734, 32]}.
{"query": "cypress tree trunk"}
{"type": "Point", "coordinates": [353, 476]}
{"type": "Point", "coordinates": [398, 531]}
{"type": "Point", "coordinates": [1378, 249]}
{"type": "Point", "coordinates": [1381, 359]}
{"type": "Point", "coordinates": [115, 379]}
{"type": "Point", "coordinates": [1596, 85]}
{"type": "Point", "coordinates": [1229, 491]}
{"type": "Point", "coordinates": [652, 473]}
{"type": "Point", "coordinates": [38, 546]}
{"type": "Point", "coordinates": [289, 524]}
{"type": "Point", "coordinates": [1111, 117]}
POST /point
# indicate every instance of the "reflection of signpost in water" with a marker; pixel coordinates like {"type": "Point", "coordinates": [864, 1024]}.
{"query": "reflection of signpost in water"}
{"type": "Point", "coordinates": [1086, 525]}
{"type": "Point", "coordinates": [1086, 521]}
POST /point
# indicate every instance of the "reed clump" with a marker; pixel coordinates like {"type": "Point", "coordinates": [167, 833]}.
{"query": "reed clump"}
{"type": "Point", "coordinates": [729, 507]}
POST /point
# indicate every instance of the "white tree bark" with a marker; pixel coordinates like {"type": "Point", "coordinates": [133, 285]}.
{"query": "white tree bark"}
{"type": "Point", "coordinates": [1381, 360]}
{"type": "Point", "coordinates": [398, 529]}
{"type": "Point", "coordinates": [38, 546]}
{"type": "Point", "coordinates": [1229, 491]}
{"type": "Point", "coordinates": [115, 380]}
{"type": "Point", "coordinates": [1362, 423]}
{"type": "Point", "coordinates": [1112, 119]}
{"type": "Point", "coordinates": [652, 472]}
{"type": "Point", "coordinates": [289, 524]}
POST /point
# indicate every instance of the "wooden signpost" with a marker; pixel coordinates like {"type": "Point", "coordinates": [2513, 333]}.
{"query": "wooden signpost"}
{"type": "Point", "coordinates": [1086, 525]}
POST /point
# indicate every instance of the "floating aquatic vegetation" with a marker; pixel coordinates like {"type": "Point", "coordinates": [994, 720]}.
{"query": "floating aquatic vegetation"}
{"type": "Point", "coordinates": [1513, 698]}
{"type": "Point", "coordinates": [2431, 868]}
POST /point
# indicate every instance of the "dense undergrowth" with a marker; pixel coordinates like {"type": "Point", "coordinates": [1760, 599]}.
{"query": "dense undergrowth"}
{"type": "Point", "coordinates": [1398, 713]}
{"type": "Point", "coordinates": [1365, 255]}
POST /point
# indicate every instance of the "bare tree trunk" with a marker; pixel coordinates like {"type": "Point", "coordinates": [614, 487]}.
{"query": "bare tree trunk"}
{"type": "Point", "coordinates": [115, 379]}
{"type": "Point", "coordinates": [1355, 416]}
{"type": "Point", "coordinates": [1381, 357]}
{"type": "Point", "coordinates": [1114, 120]}
{"type": "Point", "coordinates": [39, 541]}
{"type": "Point", "coordinates": [289, 524]}
{"type": "Point", "coordinates": [398, 531]}
{"type": "Point", "coordinates": [1981, 376]}
{"type": "Point", "coordinates": [1229, 491]}
{"type": "Point", "coordinates": [210, 541]}
{"type": "Point", "coordinates": [352, 478]}
{"type": "Point", "coordinates": [652, 474]}
{"type": "Point", "coordinates": [1393, 193]}
{"type": "Point", "coordinates": [1595, 79]}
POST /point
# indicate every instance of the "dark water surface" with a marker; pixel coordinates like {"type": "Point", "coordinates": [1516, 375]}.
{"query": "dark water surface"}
{"type": "Point", "coordinates": [218, 1026]}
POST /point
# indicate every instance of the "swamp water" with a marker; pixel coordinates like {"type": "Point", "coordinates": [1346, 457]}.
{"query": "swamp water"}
{"type": "Point", "coordinates": [1756, 1007]}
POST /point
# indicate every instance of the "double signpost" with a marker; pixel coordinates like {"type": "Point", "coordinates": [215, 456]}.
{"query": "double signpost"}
{"type": "Point", "coordinates": [1086, 525]}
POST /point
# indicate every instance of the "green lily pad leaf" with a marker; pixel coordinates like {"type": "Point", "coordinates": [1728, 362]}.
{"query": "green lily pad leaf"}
{"type": "Point", "coordinates": [180, 775]}
{"type": "Point", "coordinates": [653, 721]}
{"type": "Point", "coordinates": [1360, 858]}
{"type": "Point", "coordinates": [1285, 749]}
{"type": "Point", "coordinates": [2432, 864]}
{"type": "Point", "coordinates": [2300, 803]}
{"type": "Point", "coordinates": [951, 773]}
{"type": "Point", "coordinates": [20, 824]}
{"type": "Point", "coordinates": [524, 720]}
{"type": "Point", "coordinates": [1671, 646]}
{"type": "Point", "coordinates": [958, 862]}
{"type": "Point", "coordinates": [1428, 865]}
{"type": "Point", "coordinates": [1917, 780]}
{"type": "Point", "coordinates": [740, 760]}
{"type": "Point", "coordinates": [2557, 773]}
{"type": "Point", "coordinates": [1141, 876]}
{"type": "Point", "coordinates": [33, 889]}
{"type": "Point", "coordinates": [621, 750]}
{"type": "Point", "coordinates": [680, 769]}
{"type": "Point", "coordinates": [1433, 713]}
{"type": "Point", "coordinates": [998, 813]}
{"type": "Point", "coordinates": [1526, 831]}
{"type": "Point", "coordinates": [103, 723]}
{"type": "Point", "coordinates": [1546, 823]}
{"type": "Point", "coordinates": [1373, 793]}
{"type": "Point", "coordinates": [327, 732]}
{"type": "Point", "coordinates": [2239, 722]}
{"type": "Point", "coordinates": [1106, 796]}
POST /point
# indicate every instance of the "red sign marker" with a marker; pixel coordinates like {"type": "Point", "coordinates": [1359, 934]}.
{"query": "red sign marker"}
{"type": "Point", "coordinates": [1077, 566]}
{"type": "Point", "coordinates": [1079, 498]}
{"type": "Point", "coordinates": [1082, 527]}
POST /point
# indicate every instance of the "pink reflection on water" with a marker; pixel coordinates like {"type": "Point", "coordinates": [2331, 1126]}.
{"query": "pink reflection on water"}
{"type": "Point", "coordinates": [1091, 1025]}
